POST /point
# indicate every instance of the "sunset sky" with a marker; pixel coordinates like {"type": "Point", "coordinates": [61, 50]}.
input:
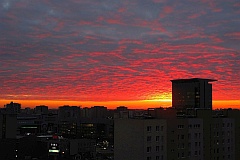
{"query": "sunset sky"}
{"type": "Point", "coordinates": [117, 52]}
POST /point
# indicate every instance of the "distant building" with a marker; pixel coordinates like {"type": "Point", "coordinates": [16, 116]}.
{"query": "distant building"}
{"type": "Point", "coordinates": [98, 112]}
{"type": "Point", "coordinates": [192, 93]}
{"type": "Point", "coordinates": [13, 108]}
{"type": "Point", "coordinates": [26, 124]}
{"type": "Point", "coordinates": [68, 117]}
{"type": "Point", "coordinates": [41, 109]}
{"type": "Point", "coordinates": [68, 113]}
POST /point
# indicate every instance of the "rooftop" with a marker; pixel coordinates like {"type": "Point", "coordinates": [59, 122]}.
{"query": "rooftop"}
{"type": "Point", "coordinates": [192, 80]}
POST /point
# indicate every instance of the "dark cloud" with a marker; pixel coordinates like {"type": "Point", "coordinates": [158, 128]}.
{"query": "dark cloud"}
{"type": "Point", "coordinates": [116, 50]}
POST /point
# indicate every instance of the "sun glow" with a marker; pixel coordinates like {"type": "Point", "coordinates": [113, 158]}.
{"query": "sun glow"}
{"type": "Point", "coordinates": [165, 97]}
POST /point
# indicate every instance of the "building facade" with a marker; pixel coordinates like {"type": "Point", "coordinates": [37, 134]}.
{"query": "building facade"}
{"type": "Point", "coordinates": [192, 93]}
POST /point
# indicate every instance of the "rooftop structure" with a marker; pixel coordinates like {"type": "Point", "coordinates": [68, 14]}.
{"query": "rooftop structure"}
{"type": "Point", "coordinates": [192, 93]}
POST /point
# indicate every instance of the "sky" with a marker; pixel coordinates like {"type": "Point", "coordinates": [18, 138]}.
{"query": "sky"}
{"type": "Point", "coordinates": [117, 52]}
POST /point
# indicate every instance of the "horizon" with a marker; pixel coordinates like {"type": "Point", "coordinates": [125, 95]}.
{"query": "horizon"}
{"type": "Point", "coordinates": [117, 51]}
{"type": "Point", "coordinates": [142, 104]}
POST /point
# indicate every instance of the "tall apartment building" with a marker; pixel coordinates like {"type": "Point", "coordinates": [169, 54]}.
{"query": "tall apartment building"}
{"type": "Point", "coordinates": [235, 115]}
{"type": "Point", "coordinates": [184, 134]}
{"type": "Point", "coordinates": [192, 93]}
{"type": "Point", "coordinates": [219, 135]}
{"type": "Point", "coordinates": [141, 139]}
{"type": "Point", "coordinates": [197, 134]}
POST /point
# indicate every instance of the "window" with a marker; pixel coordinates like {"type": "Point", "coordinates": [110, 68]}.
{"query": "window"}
{"type": "Point", "coordinates": [182, 136]}
{"type": "Point", "coordinates": [183, 155]}
{"type": "Point", "coordinates": [148, 149]}
{"type": "Point", "coordinates": [157, 158]}
{"type": "Point", "coordinates": [157, 148]}
{"type": "Point", "coordinates": [180, 126]}
{"type": "Point", "coordinates": [157, 128]}
{"type": "Point", "coordinates": [195, 135]}
{"type": "Point", "coordinates": [157, 138]}
{"type": "Point", "coordinates": [149, 158]}
{"type": "Point", "coordinates": [149, 128]}
{"type": "Point", "coordinates": [196, 153]}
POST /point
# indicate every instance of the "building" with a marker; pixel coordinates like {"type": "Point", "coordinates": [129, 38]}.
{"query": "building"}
{"type": "Point", "coordinates": [41, 109]}
{"type": "Point", "coordinates": [184, 134]}
{"type": "Point", "coordinates": [8, 126]}
{"type": "Point", "coordinates": [141, 139]}
{"type": "Point", "coordinates": [13, 108]}
{"type": "Point", "coordinates": [68, 117]}
{"type": "Point", "coordinates": [83, 148]}
{"type": "Point", "coordinates": [192, 93]}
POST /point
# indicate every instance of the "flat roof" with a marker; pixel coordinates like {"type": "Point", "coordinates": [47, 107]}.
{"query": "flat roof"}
{"type": "Point", "coordinates": [192, 80]}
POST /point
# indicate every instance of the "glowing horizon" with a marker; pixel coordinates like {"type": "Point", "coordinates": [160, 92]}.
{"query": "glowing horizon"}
{"type": "Point", "coordinates": [138, 104]}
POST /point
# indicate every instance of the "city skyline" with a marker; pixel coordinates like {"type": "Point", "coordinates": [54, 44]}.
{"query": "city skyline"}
{"type": "Point", "coordinates": [115, 53]}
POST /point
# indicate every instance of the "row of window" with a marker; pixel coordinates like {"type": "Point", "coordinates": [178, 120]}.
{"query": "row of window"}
{"type": "Point", "coordinates": [156, 158]}
{"type": "Point", "coordinates": [224, 157]}
{"type": "Point", "coordinates": [157, 149]}
{"type": "Point", "coordinates": [157, 128]}
{"type": "Point", "coordinates": [228, 149]}
{"type": "Point", "coordinates": [157, 138]}
{"type": "Point", "coordinates": [223, 141]}
{"type": "Point", "coordinates": [195, 135]}
{"type": "Point", "coordinates": [190, 126]}
{"type": "Point", "coordinates": [196, 153]}
{"type": "Point", "coordinates": [224, 133]}
{"type": "Point", "coordinates": [217, 125]}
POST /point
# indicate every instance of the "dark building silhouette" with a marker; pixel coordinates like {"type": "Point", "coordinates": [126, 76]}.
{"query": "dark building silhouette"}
{"type": "Point", "coordinates": [192, 93]}
{"type": "Point", "coordinates": [13, 108]}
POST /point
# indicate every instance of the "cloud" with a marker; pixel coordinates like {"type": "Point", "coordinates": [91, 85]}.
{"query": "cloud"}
{"type": "Point", "coordinates": [116, 50]}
